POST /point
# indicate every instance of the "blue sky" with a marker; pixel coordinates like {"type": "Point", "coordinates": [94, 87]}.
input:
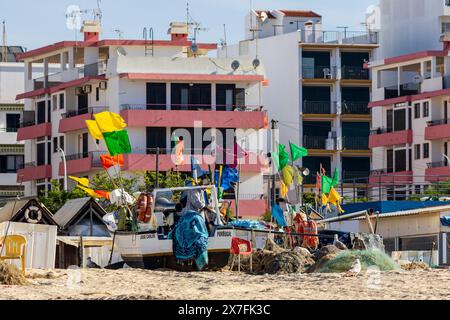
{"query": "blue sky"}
{"type": "Point", "coordinates": [43, 21]}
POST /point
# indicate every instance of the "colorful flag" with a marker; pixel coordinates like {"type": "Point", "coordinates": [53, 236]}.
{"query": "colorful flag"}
{"type": "Point", "coordinates": [230, 177]}
{"type": "Point", "coordinates": [335, 181]}
{"type": "Point", "coordinates": [117, 142]}
{"type": "Point", "coordinates": [335, 199]}
{"type": "Point", "coordinates": [112, 164]}
{"type": "Point", "coordinates": [109, 121]}
{"type": "Point", "coordinates": [318, 182]}
{"type": "Point", "coordinates": [196, 169]}
{"type": "Point", "coordinates": [324, 199]}
{"type": "Point", "coordinates": [278, 215]}
{"type": "Point", "coordinates": [283, 156]}
{"type": "Point", "coordinates": [82, 181]}
{"type": "Point", "coordinates": [284, 190]}
{"type": "Point", "coordinates": [288, 176]}
{"type": "Point", "coordinates": [297, 152]}
{"type": "Point", "coordinates": [94, 130]}
{"type": "Point", "coordinates": [327, 184]}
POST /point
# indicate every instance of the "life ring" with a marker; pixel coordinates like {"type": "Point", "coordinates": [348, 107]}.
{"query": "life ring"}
{"type": "Point", "coordinates": [32, 210]}
{"type": "Point", "coordinates": [144, 208]}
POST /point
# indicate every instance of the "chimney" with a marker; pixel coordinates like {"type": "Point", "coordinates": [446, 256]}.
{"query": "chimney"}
{"type": "Point", "coordinates": [179, 31]}
{"type": "Point", "coordinates": [91, 30]}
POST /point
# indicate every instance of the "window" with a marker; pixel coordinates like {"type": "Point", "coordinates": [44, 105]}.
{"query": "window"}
{"type": "Point", "coordinates": [417, 111]}
{"type": "Point", "coordinates": [55, 144]}
{"type": "Point", "coordinates": [61, 101]}
{"type": "Point", "coordinates": [400, 160]}
{"type": "Point", "coordinates": [417, 152]}
{"type": "Point", "coordinates": [55, 102]}
{"type": "Point", "coordinates": [418, 189]}
{"type": "Point", "coordinates": [11, 163]}
{"type": "Point", "coordinates": [61, 142]}
{"type": "Point", "coordinates": [97, 94]}
{"type": "Point", "coordinates": [426, 150]}
{"type": "Point", "coordinates": [12, 122]}
{"type": "Point", "coordinates": [426, 109]}
{"type": "Point", "coordinates": [390, 160]}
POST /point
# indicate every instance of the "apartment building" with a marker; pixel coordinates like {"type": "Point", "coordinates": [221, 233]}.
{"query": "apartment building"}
{"type": "Point", "coordinates": [162, 88]}
{"type": "Point", "coordinates": [11, 152]}
{"type": "Point", "coordinates": [319, 87]}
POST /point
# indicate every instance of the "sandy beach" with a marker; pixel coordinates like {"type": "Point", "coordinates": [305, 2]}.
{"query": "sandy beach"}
{"type": "Point", "coordinates": [145, 284]}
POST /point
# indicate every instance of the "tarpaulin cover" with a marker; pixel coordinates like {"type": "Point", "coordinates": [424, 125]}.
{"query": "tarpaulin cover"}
{"type": "Point", "coordinates": [190, 239]}
{"type": "Point", "coordinates": [248, 224]}
{"type": "Point", "coordinates": [445, 221]}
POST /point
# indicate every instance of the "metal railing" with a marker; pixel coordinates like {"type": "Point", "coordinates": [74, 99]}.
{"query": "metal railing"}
{"type": "Point", "coordinates": [355, 107]}
{"type": "Point", "coordinates": [438, 164]}
{"type": "Point", "coordinates": [355, 72]}
{"type": "Point", "coordinates": [438, 122]}
{"type": "Point", "coordinates": [27, 124]}
{"type": "Point", "coordinates": [10, 130]}
{"type": "Point", "coordinates": [351, 175]}
{"type": "Point", "coordinates": [356, 143]}
{"type": "Point", "coordinates": [381, 131]}
{"type": "Point", "coordinates": [91, 110]}
{"type": "Point", "coordinates": [338, 37]}
{"type": "Point", "coordinates": [314, 142]}
{"type": "Point", "coordinates": [318, 107]}
{"type": "Point", "coordinates": [404, 89]}
{"type": "Point", "coordinates": [319, 72]}
{"type": "Point", "coordinates": [193, 107]}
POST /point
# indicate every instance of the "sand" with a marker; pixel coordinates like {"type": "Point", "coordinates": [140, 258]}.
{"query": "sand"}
{"type": "Point", "coordinates": [161, 284]}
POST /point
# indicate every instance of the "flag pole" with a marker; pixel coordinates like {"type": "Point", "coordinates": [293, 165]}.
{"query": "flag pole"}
{"type": "Point", "coordinates": [157, 169]}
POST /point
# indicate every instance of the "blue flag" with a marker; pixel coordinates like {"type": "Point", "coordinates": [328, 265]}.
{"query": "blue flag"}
{"type": "Point", "coordinates": [278, 214]}
{"type": "Point", "coordinates": [230, 176]}
{"type": "Point", "coordinates": [196, 168]}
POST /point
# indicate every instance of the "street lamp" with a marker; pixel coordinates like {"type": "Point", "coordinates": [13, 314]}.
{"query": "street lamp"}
{"type": "Point", "coordinates": [63, 156]}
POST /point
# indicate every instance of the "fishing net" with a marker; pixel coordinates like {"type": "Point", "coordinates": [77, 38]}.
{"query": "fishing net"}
{"type": "Point", "coordinates": [10, 275]}
{"type": "Point", "coordinates": [410, 266]}
{"type": "Point", "coordinates": [343, 261]}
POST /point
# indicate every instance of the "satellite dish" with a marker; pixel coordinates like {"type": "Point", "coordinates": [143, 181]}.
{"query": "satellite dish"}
{"type": "Point", "coordinates": [194, 48]}
{"type": "Point", "coordinates": [235, 65]}
{"type": "Point", "coordinates": [306, 172]}
{"type": "Point", "coordinates": [256, 63]}
{"type": "Point", "coordinates": [121, 52]}
{"type": "Point", "coordinates": [417, 79]}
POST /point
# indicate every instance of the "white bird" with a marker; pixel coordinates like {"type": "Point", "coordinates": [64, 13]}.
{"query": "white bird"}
{"type": "Point", "coordinates": [354, 270]}
{"type": "Point", "coordinates": [338, 244]}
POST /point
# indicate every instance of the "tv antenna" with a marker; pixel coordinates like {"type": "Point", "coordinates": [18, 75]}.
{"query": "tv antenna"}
{"type": "Point", "coordinates": [191, 22]}
{"type": "Point", "coordinates": [98, 14]}
{"type": "Point", "coordinates": [223, 42]}
{"type": "Point", "coordinates": [119, 33]}
{"type": "Point", "coordinates": [4, 43]}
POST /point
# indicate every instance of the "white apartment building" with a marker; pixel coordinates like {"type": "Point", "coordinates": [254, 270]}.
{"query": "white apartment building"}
{"type": "Point", "coordinates": [319, 87]}
{"type": "Point", "coordinates": [162, 88]}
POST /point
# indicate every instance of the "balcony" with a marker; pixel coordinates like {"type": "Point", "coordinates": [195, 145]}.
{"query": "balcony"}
{"type": "Point", "coordinates": [355, 73]}
{"type": "Point", "coordinates": [438, 129]}
{"type": "Point", "coordinates": [75, 120]}
{"type": "Point", "coordinates": [314, 142]}
{"type": "Point", "coordinates": [387, 177]}
{"type": "Point", "coordinates": [355, 107]}
{"type": "Point", "coordinates": [319, 72]}
{"type": "Point", "coordinates": [339, 37]}
{"type": "Point", "coordinates": [31, 172]}
{"type": "Point", "coordinates": [242, 117]}
{"type": "Point", "coordinates": [383, 137]}
{"type": "Point", "coordinates": [319, 107]}
{"type": "Point", "coordinates": [81, 163]}
{"type": "Point", "coordinates": [355, 176]}
{"type": "Point", "coordinates": [437, 171]}
{"type": "Point", "coordinates": [356, 143]}
{"type": "Point", "coordinates": [90, 70]}
{"type": "Point", "coordinates": [406, 89]}
{"type": "Point", "coordinates": [31, 130]}
{"type": "Point", "coordinates": [145, 160]}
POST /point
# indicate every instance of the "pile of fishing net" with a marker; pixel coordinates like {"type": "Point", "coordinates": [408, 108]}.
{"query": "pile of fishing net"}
{"type": "Point", "coordinates": [10, 275]}
{"type": "Point", "coordinates": [343, 261]}
{"type": "Point", "coordinates": [276, 260]}
{"type": "Point", "coordinates": [411, 266]}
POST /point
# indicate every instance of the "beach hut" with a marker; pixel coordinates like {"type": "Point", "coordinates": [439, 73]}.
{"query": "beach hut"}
{"type": "Point", "coordinates": [30, 218]}
{"type": "Point", "coordinates": [82, 234]}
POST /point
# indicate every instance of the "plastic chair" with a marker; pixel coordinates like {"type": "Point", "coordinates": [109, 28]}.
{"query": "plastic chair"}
{"type": "Point", "coordinates": [13, 247]}
{"type": "Point", "coordinates": [241, 247]}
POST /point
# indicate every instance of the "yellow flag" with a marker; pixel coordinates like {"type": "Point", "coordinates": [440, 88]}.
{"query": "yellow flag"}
{"type": "Point", "coordinates": [284, 189]}
{"type": "Point", "coordinates": [109, 121]}
{"type": "Point", "coordinates": [324, 199]}
{"type": "Point", "coordinates": [335, 199]}
{"type": "Point", "coordinates": [90, 192]}
{"type": "Point", "coordinates": [288, 175]}
{"type": "Point", "coordinates": [94, 130]}
{"type": "Point", "coordinates": [82, 181]}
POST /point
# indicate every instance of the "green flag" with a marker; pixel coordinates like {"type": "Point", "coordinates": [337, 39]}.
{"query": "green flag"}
{"type": "Point", "coordinates": [327, 184]}
{"type": "Point", "coordinates": [297, 152]}
{"type": "Point", "coordinates": [335, 181]}
{"type": "Point", "coordinates": [283, 156]}
{"type": "Point", "coordinates": [276, 160]}
{"type": "Point", "coordinates": [117, 142]}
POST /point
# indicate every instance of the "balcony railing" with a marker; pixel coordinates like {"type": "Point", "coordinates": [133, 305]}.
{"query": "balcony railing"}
{"type": "Point", "coordinates": [319, 72]}
{"type": "Point", "coordinates": [349, 176]}
{"type": "Point", "coordinates": [193, 107]}
{"type": "Point", "coordinates": [356, 143]}
{"type": "Point", "coordinates": [355, 73]}
{"type": "Point", "coordinates": [438, 164]}
{"type": "Point", "coordinates": [89, 70]}
{"type": "Point", "coordinates": [28, 123]}
{"type": "Point", "coordinates": [381, 131]}
{"type": "Point", "coordinates": [10, 130]}
{"type": "Point", "coordinates": [438, 122]}
{"type": "Point", "coordinates": [355, 107]}
{"type": "Point", "coordinates": [95, 155]}
{"type": "Point", "coordinates": [91, 110]}
{"type": "Point", "coordinates": [314, 142]}
{"type": "Point", "coordinates": [335, 37]}
{"type": "Point", "coordinates": [317, 107]}
{"type": "Point", "coordinates": [405, 89]}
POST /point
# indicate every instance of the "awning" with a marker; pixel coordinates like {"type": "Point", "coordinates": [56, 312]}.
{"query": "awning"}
{"type": "Point", "coordinates": [87, 241]}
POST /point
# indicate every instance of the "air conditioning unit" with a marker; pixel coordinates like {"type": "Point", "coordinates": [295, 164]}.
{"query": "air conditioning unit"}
{"type": "Point", "coordinates": [330, 144]}
{"type": "Point", "coordinates": [88, 88]}
{"type": "Point", "coordinates": [103, 85]}
{"type": "Point", "coordinates": [79, 91]}
{"type": "Point", "coordinates": [339, 145]}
